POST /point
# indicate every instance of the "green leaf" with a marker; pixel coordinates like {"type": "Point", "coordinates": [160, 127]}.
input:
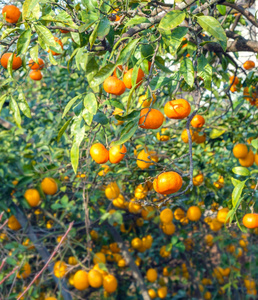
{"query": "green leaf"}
{"type": "Point", "coordinates": [10, 64]}
{"type": "Point", "coordinates": [255, 143]}
{"type": "Point", "coordinates": [78, 131]}
{"type": "Point", "coordinates": [171, 20]}
{"type": "Point", "coordinates": [213, 27]}
{"type": "Point", "coordinates": [16, 112]}
{"type": "Point", "coordinates": [237, 192]}
{"type": "Point", "coordinates": [24, 106]}
{"type": "Point", "coordinates": [7, 32]}
{"type": "Point", "coordinates": [23, 42]}
{"type": "Point", "coordinates": [63, 129]}
{"type": "Point", "coordinates": [103, 28]}
{"type": "Point", "coordinates": [27, 8]}
{"type": "Point", "coordinates": [90, 103]}
{"type": "Point", "coordinates": [136, 20]}
{"type": "Point", "coordinates": [87, 116]}
{"type": "Point", "coordinates": [127, 52]}
{"type": "Point", "coordinates": [100, 118]}
{"type": "Point", "coordinates": [2, 101]}
{"type": "Point", "coordinates": [115, 103]}
{"type": "Point", "coordinates": [47, 38]}
{"type": "Point", "coordinates": [134, 114]}
{"type": "Point", "coordinates": [76, 38]}
{"type": "Point", "coordinates": [93, 35]}
{"type": "Point", "coordinates": [187, 70]}
{"type": "Point", "coordinates": [70, 104]}
{"type": "Point", "coordinates": [204, 70]}
{"type": "Point", "coordinates": [34, 52]}
{"type": "Point", "coordinates": [235, 181]}
{"type": "Point", "coordinates": [241, 171]}
{"type": "Point", "coordinates": [102, 74]}
{"type": "Point", "coordinates": [75, 156]}
{"type": "Point", "coordinates": [174, 39]}
{"type": "Point", "coordinates": [128, 132]}
{"type": "Point", "coordinates": [215, 133]}
{"type": "Point", "coordinates": [222, 9]}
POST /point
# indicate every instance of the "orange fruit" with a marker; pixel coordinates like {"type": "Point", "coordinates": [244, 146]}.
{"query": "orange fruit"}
{"type": "Point", "coordinates": [114, 12]}
{"type": "Point", "coordinates": [36, 75]}
{"type": "Point", "coordinates": [50, 298]}
{"type": "Point", "coordinates": [152, 275]}
{"type": "Point", "coordinates": [198, 121]}
{"type": "Point", "coordinates": [114, 86]}
{"type": "Point", "coordinates": [17, 62]}
{"type": "Point", "coordinates": [199, 139]}
{"type": "Point", "coordinates": [163, 136]}
{"type": "Point", "coordinates": [145, 159]}
{"type": "Point", "coordinates": [99, 153]}
{"type": "Point", "coordinates": [222, 215]}
{"type": "Point", "coordinates": [60, 269]}
{"type": "Point", "coordinates": [162, 292]}
{"type": "Point", "coordinates": [80, 280]}
{"type": "Point", "coordinates": [194, 213]}
{"type": "Point", "coordinates": [11, 13]}
{"type": "Point", "coordinates": [179, 213]}
{"type": "Point", "coordinates": [60, 43]}
{"type": "Point", "coordinates": [49, 186]}
{"type": "Point", "coordinates": [166, 216]}
{"type": "Point", "coordinates": [64, 31]}
{"type": "Point", "coordinates": [33, 197]}
{"type": "Point", "coordinates": [215, 225]}
{"type": "Point", "coordinates": [117, 153]}
{"type": "Point", "coordinates": [167, 183]}
{"type": "Point", "coordinates": [240, 150]}
{"type": "Point", "coordinates": [136, 243]}
{"type": "Point", "coordinates": [112, 191]}
{"type": "Point", "coordinates": [147, 212]}
{"type": "Point", "coordinates": [25, 271]}
{"type": "Point", "coordinates": [184, 136]}
{"type": "Point", "coordinates": [248, 65]}
{"type": "Point", "coordinates": [99, 257]}
{"type": "Point", "coordinates": [36, 66]}
{"type": "Point", "coordinates": [110, 283]}
{"type": "Point", "coordinates": [198, 179]}
{"type": "Point", "coordinates": [127, 79]}
{"type": "Point", "coordinates": [256, 158]}
{"type": "Point", "coordinates": [72, 261]}
{"type": "Point", "coordinates": [152, 293]}
{"type": "Point", "coordinates": [168, 228]}
{"type": "Point", "coordinates": [233, 88]}
{"type": "Point", "coordinates": [146, 102]}
{"type": "Point", "coordinates": [95, 279]}
{"type": "Point", "coordinates": [177, 109]}
{"type": "Point", "coordinates": [248, 160]}
{"type": "Point", "coordinates": [233, 80]}
{"type": "Point", "coordinates": [150, 118]}
{"type": "Point", "coordinates": [13, 223]}
{"type": "Point", "coordinates": [250, 220]}
{"type": "Point", "coordinates": [207, 295]}
{"type": "Point", "coordinates": [209, 240]}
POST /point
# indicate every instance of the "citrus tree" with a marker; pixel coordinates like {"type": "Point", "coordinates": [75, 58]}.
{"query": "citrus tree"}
{"type": "Point", "coordinates": [128, 150]}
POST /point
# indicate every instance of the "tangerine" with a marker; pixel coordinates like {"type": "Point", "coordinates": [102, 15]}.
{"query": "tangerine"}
{"type": "Point", "coordinates": [49, 186]}
{"type": "Point", "coordinates": [150, 118]}
{"type": "Point", "coordinates": [127, 79]}
{"type": "Point", "coordinates": [99, 153]}
{"type": "Point", "coordinates": [177, 109]}
{"type": "Point", "coordinates": [36, 66]}
{"type": "Point", "coordinates": [33, 197]}
{"type": "Point", "coordinates": [198, 121]}
{"type": "Point", "coordinates": [116, 154]}
{"type": "Point", "coordinates": [167, 183]}
{"type": "Point", "coordinates": [11, 13]}
{"type": "Point", "coordinates": [36, 75]}
{"type": "Point", "coordinates": [17, 62]}
{"type": "Point", "coordinates": [114, 86]}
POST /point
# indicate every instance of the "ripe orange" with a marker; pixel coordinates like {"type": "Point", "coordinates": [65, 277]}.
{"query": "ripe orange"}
{"type": "Point", "coordinates": [168, 228]}
{"type": "Point", "coordinates": [116, 154]}
{"type": "Point", "coordinates": [198, 179]}
{"type": "Point", "coordinates": [250, 220]}
{"type": "Point", "coordinates": [167, 183]}
{"type": "Point", "coordinates": [248, 65]}
{"type": "Point", "coordinates": [177, 109]}
{"type": "Point", "coordinates": [13, 223]}
{"type": "Point", "coordinates": [72, 261]}
{"type": "Point", "coordinates": [60, 269]}
{"type": "Point", "coordinates": [233, 88]}
{"type": "Point", "coordinates": [179, 213]}
{"type": "Point", "coordinates": [95, 279]}
{"type": "Point", "coordinates": [147, 212]}
{"type": "Point", "coordinates": [17, 62]}
{"type": "Point", "coordinates": [166, 216]}
{"type": "Point", "coordinates": [114, 12]}
{"type": "Point", "coordinates": [33, 197]}
{"type": "Point", "coordinates": [162, 292]}
{"type": "Point", "coordinates": [12, 13]}
{"type": "Point", "coordinates": [112, 191]}
{"type": "Point", "coordinates": [99, 153]}
{"type": "Point", "coordinates": [49, 186]}
{"type": "Point", "coordinates": [233, 81]}
{"type": "Point", "coordinates": [209, 240]}
{"type": "Point", "coordinates": [145, 159]}
{"type": "Point", "coordinates": [240, 150]}
{"type": "Point", "coordinates": [184, 136]}
{"type": "Point", "coordinates": [198, 121]}
{"type": "Point", "coordinates": [136, 243]}
{"type": "Point", "coordinates": [194, 213]}
{"type": "Point", "coordinates": [152, 293]}
{"type": "Point", "coordinates": [60, 43]}
{"type": "Point", "coordinates": [99, 257]}
{"type": "Point", "coordinates": [25, 271]}
{"type": "Point", "coordinates": [163, 136]}
{"type": "Point", "coordinates": [150, 118]}
{"type": "Point", "coordinates": [36, 75]}
{"type": "Point", "coordinates": [222, 215]}
{"type": "Point", "coordinates": [114, 86]}
{"type": "Point", "coordinates": [110, 283]}
{"type": "Point", "coordinates": [81, 281]}
{"type": "Point", "coordinates": [248, 160]}
{"type": "Point", "coordinates": [127, 79]}
{"type": "Point", "coordinates": [36, 66]}
{"type": "Point", "coordinates": [64, 31]}
{"type": "Point", "coordinates": [50, 298]}
{"type": "Point", "coordinates": [146, 102]}
{"type": "Point", "coordinates": [199, 139]}
{"type": "Point", "coordinates": [256, 158]}
{"type": "Point", "coordinates": [152, 275]}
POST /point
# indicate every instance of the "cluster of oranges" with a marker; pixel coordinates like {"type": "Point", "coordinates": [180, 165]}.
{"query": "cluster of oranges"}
{"type": "Point", "coordinates": [246, 158]}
